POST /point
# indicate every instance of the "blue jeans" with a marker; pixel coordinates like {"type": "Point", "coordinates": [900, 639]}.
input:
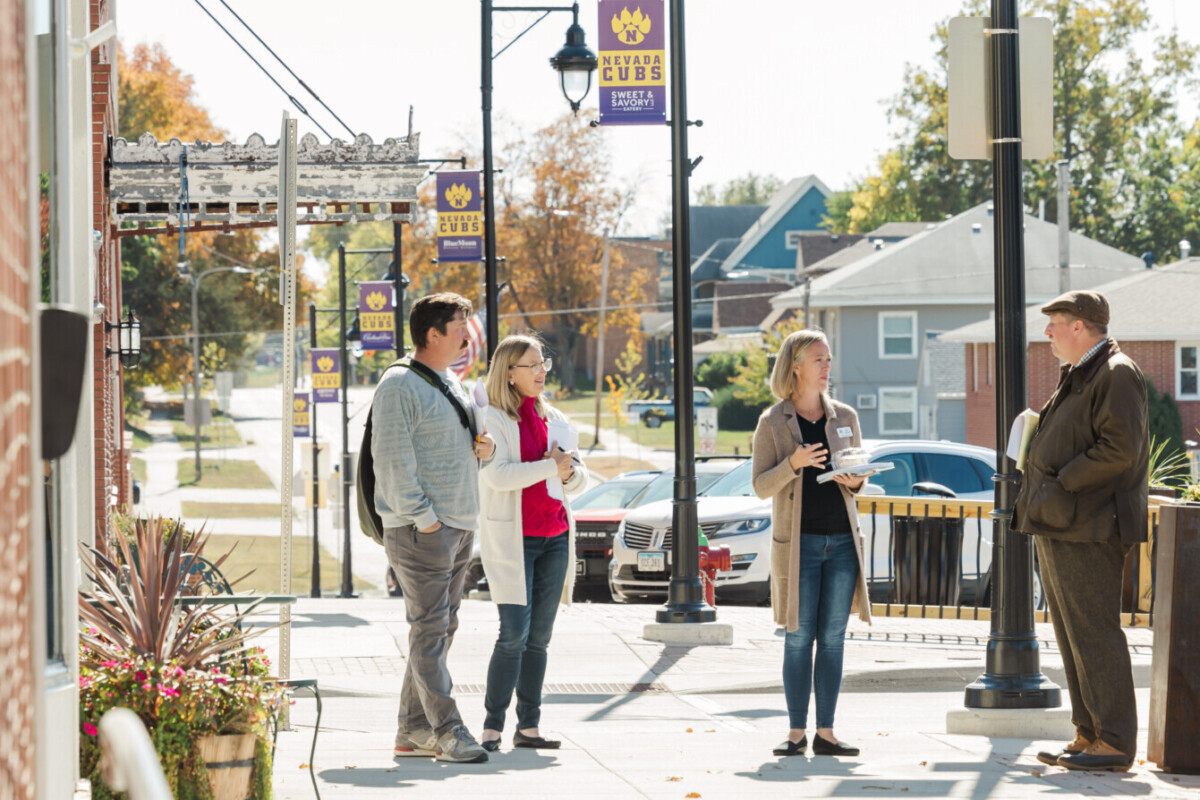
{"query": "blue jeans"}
{"type": "Point", "coordinates": [828, 574]}
{"type": "Point", "coordinates": [519, 658]}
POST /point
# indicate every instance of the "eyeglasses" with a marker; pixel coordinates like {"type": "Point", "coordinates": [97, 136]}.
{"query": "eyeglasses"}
{"type": "Point", "coordinates": [543, 365]}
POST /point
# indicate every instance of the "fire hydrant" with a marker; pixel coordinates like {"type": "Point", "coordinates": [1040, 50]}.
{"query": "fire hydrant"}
{"type": "Point", "coordinates": [713, 560]}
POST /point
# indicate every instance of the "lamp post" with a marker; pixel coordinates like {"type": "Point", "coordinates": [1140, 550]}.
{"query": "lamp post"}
{"type": "Point", "coordinates": [1012, 677]}
{"type": "Point", "coordinates": [196, 351]}
{"type": "Point", "coordinates": [575, 64]}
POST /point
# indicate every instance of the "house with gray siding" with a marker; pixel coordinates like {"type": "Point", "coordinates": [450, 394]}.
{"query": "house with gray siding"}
{"type": "Point", "coordinates": [884, 311]}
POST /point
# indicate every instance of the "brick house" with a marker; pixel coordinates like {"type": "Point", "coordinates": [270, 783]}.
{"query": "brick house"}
{"type": "Point", "coordinates": [634, 257]}
{"type": "Point", "coordinates": [58, 109]}
{"type": "Point", "coordinates": [1154, 320]}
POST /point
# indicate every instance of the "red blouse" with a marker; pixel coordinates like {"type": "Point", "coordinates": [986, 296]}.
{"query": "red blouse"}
{"type": "Point", "coordinates": [541, 514]}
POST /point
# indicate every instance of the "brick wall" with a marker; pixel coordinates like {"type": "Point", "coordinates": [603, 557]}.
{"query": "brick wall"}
{"type": "Point", "coordinates": [16, 393]}
{"type": "Point", "coordinates": [631, 258]}
{"type": "Point", "coordinates": [1157, 360]}
{"type": "Point", "coordinates": [112, 462]}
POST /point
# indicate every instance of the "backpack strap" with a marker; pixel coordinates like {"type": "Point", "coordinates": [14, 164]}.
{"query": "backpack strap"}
{"type": "Point", "coordinates": [435, 380]}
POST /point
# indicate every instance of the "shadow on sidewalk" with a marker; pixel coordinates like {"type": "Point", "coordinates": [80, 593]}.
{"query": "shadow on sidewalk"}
{"type": "Point", "coordinates": [412, 772]}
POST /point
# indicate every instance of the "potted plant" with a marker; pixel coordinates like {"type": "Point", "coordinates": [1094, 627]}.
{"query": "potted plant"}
{"type": "Point", "coordinates": [187, 672]}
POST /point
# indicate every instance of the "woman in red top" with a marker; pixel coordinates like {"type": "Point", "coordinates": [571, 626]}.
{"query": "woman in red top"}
{"type": "Point", "coordinates": [526, 535]}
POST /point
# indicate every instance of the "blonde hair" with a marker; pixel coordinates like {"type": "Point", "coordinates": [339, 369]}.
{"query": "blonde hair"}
{"type": "Point", "coordinates": [791, 353]}
{"type": "Point", "coordinates": [501, 393]}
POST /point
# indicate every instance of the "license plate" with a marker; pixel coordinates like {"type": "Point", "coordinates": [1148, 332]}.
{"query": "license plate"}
{"type": "Point", "coordinates": [579, 567]}
{"type": "Point", "coordinates": [652, 562]}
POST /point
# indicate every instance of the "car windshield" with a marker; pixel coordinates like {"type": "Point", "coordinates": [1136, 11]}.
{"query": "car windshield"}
{"type": "Point", "coordinates": [663, 487]}
{"type": "Point", "coordinates": [735, 483]}
{"type": "Point", "coordinates": [617, 493]}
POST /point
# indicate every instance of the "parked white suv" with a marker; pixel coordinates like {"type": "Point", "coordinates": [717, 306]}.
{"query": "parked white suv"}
{"type": "Point", "coordinates": [730, 515]}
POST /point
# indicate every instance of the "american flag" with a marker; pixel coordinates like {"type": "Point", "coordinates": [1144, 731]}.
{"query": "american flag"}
{"type": "Point", "coordinates": [476, 331]}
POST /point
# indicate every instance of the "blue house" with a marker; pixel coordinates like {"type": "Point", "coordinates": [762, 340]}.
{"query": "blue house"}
{"type": "Point", "coordinates": [767, 250]}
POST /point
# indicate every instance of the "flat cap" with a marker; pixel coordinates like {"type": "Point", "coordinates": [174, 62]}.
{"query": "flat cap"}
{"type": "Point", "coordinates": [1091, 306]}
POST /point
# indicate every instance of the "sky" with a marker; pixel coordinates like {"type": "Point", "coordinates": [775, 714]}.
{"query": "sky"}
{"type": "Point", "coordinates": [784, 87]}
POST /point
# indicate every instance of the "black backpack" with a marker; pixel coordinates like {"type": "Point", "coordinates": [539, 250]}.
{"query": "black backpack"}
{"type": "Point", "coordinates": [368, 518]}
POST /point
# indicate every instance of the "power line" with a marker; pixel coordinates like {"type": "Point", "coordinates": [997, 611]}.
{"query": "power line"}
{"type": "Point", "coordinates": [234, 39]}
{"type": "Point", "coordinates": [289, 69]}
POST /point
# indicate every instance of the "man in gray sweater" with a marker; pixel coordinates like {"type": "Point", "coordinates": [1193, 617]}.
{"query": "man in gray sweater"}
{"type": "Point", "coordinates": [427, 494]}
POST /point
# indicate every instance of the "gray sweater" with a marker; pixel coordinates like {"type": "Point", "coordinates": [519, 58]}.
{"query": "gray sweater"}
{"type": "Point", "coordinates": [425, 465]}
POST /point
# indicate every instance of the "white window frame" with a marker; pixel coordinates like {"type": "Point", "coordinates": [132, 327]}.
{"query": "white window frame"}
{"type": "Point", "coordinates": [893, 390]}
{"type": "Point", "coordinates": [910, 315]}
{"type": "Point", "coordinates": [1179, 394]}
{"type": "Point", "coordinates": [791, 239]}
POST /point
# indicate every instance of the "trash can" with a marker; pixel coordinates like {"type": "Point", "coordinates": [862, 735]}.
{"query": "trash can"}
{"type": "Point", "coordinates": [927, 560]}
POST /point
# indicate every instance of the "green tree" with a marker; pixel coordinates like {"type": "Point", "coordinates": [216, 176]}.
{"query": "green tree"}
{"type": "Point", "coordinates": [752, 384]}
{"type": "Point", "coordinates": [750, 189]}
{"type": "Point", "coordinates": [718, 370]}
{"type": "Point", "coordinates": [1132, 159]}
{"type": "Point", "coordinates": [156, 97]}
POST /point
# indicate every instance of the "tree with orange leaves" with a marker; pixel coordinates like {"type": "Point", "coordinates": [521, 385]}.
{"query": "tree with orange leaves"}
{"type": "Point", "coordinates": [154, 96]}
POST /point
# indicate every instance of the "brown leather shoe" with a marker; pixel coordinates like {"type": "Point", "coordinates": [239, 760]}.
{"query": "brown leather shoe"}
{"type": "Point", "coordinates": [1077, 745]}
{"type": "Point", "coordinates": [1098, 756]}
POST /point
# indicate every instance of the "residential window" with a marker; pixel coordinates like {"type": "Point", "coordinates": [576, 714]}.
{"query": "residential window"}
{"type": "Point", "coordinates": [1188, 360]}
{"type": "Point", "coordinates": [897, 411]}
{"type": "Point", "coordinates": [791, 239]}
{"type": "Point", "coordinates": [897, 334]}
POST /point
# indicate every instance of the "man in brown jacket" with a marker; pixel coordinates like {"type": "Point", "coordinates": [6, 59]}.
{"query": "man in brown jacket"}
{"type": "Point", "coordinates": [1083, 495]}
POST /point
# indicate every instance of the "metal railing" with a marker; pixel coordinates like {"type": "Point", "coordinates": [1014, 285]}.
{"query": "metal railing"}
{"type": "Point", "coordinates": [930, 557]}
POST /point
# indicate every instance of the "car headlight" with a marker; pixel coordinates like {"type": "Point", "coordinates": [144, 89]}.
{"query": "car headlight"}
{"type": "Point", "coordinates": [741, 526]}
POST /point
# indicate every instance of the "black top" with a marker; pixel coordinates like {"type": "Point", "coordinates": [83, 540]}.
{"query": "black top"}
{"type": "Point", "coordinates": [823, 511]}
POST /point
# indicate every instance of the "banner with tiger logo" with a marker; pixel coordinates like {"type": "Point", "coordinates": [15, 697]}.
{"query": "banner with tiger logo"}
{"type": "Point", "coordinates": [633, 62]}
{"type": "Point", "coordinates": [326, 374]}
{"type": "Point", "coordinates": [377, 315]}
{"type": "Point", "coordinates": [459, 217]}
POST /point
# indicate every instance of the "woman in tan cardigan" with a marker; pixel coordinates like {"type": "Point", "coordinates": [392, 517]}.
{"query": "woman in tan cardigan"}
{"type": "Point", "coordinates": [816, 551]}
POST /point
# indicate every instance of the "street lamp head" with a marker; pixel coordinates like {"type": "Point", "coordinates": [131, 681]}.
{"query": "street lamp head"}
{"type": "Point", "coordinates": [575, 64]}
{"type": "Point", "coordinates": [129, 340]}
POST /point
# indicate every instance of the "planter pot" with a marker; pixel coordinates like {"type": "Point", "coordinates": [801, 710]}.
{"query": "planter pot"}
{"type": "Point", "coordinates": [230, 762]}
{"type": "Point", "coordinates": [1174, 703]}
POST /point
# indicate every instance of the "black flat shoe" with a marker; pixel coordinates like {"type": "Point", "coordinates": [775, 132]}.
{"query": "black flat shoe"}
{"type": "Point", "coordinates": [491, 746]}
{"type": "Point", "coordinates": [823, 747]}
{"type": "Point", "coordinates": [535, 742]}
{"type": "Point", "coordinates": [790, 748]}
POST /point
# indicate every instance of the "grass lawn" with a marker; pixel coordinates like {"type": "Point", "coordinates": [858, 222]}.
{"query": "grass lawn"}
{"type": "Point", "coordinates": [229, 474]}
{"type": "Point", "coordinates": [139, 469]}
{"type": "Point", "coordinates": [607, 466]}
{"type": "Point", "coordinates": [663, 438]}
{"type": "Point", "coordinates": [221, 433]}
{"type": "Point", "coordinates": [191, 510]}
{"type": "Point", "coordinates": [136, 423]}
{"type": "Point", "coordinates": [261, 554]}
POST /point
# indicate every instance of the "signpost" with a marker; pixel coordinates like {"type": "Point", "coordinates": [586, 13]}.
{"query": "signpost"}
{"type": "Point", "coordinates": [706, 430]}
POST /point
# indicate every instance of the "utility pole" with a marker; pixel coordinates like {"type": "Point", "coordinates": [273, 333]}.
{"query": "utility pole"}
{"type": "Point", "coordinates": [600, 334]}
{"type": "Point", "coordinates": [1064, 226]}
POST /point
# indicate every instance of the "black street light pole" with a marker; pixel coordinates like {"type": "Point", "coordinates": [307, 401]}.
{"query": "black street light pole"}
{"type": "Point", "coordinates": [573, 61]}
{"type": "Point", "coordinates": [316, 465]}
{"type": "Point", "coordinates": [685, 594]}
{"type": "Point", "coordinates": [347, 578]}
{"type": "Point", "coordinates": [1012, 676]}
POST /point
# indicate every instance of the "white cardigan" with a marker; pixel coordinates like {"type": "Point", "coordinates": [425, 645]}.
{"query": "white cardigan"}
{"type": "Point", "coordinates": [501, 537]}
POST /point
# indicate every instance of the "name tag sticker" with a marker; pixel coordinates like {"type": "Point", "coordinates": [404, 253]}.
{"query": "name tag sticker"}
{"type": "Point", "coordinates": [845, 433]}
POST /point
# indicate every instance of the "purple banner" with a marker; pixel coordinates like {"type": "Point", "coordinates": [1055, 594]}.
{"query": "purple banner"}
{"type": "Point", "coordinates": [460, 216]}
{"type": "Point", "coordinates": [326, 375]}
{"type": "Point", "coordinates": [300, 415]}
{"type": "Point", "coordinates": [377, 315]}
{"type": "Point", "coordinates": [633, 63]}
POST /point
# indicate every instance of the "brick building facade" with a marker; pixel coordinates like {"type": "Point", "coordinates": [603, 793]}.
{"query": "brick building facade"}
{"type": "Point", "coordinates": [17, 682]}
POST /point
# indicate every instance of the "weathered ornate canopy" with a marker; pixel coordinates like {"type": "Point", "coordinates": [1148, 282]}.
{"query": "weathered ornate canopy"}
{"type": "Point", "coordinates": [223, 185]}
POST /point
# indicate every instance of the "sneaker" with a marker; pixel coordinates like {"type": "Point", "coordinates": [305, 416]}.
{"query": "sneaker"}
{"type": "Point", "coordinates": [459, 746]}
{"type": "Point", "coordinates": [415, 743]}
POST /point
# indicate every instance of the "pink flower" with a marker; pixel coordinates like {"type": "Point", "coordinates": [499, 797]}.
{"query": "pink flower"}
{"type": "Point", "coordinates": [141, 676]}
{"type": "Point", "coordinates": [220, 679]}
{"type": "Point", "coordinates": [168, 691]}
{"type": "Point", "coordinates": [109, 664]}
{"type": "Point", "coordinates": [89, 729]}
{"type": "Point", "coordinates": [179, 672]}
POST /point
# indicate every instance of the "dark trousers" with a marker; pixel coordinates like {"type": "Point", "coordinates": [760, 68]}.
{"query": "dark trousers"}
{"type": "Point", "coordinates": [1083, 583]}
{"type": "Point", "coordinates": [431, 569]}
{"type": "Point", "coordinates": [519, 658]}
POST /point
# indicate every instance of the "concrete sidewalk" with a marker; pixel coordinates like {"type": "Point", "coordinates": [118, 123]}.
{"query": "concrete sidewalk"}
{"type": "Point", "coordinates": [641, 719]}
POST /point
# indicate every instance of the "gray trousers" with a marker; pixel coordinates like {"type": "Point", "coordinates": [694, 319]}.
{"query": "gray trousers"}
{"type": "Point", "coordinates": [1083, 583]}
{"type": "Point", "coordinates": [431, 569]}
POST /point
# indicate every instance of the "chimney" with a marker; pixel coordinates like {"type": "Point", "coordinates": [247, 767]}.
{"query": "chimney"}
{"type": "Point", "coordinates": [1185, 249]}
